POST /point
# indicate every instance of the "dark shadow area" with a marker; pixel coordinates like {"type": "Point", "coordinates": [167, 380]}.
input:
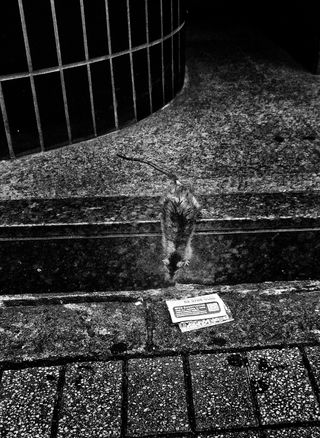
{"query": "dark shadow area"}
{"type": "Point", "coordinates": [292, 26]}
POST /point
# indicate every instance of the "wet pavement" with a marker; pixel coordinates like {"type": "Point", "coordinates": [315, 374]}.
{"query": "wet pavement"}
{"type": "Point", "coordinates": [118, 367]}
{"type": "Point", "coordinates": [87, 348]}
{"type": "Point", "coordinates": [114, 243]}
{"type": "Point", "coordinates": [264, 393]}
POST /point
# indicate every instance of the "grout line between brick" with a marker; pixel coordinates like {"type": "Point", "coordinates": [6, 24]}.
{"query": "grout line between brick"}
{"type": "Point", "coordinates": [311, 376]}
{"type": "Point", "coordinates": [124, 401]}
{"type": "Point", "coordinates": [253, 393]}
{"type": "Point", "coordinates": [58, 402]}
{"type": "Point", "coordinates": [49, 361]}
{"type": "Point", "coordinates": [261, 432]}
{"type": "Point", "coordinates": [189, 392]}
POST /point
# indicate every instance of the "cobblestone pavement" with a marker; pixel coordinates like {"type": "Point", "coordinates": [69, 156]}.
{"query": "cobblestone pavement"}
{"type": "Point", "coordinates": [135, 375]}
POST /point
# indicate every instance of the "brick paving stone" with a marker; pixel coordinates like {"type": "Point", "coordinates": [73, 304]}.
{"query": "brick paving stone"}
{"type": "Point", "coordinates": [157, 400]}
{"type": "Point", "coordinates": [91, 403]}
{"type": "Point", "coordinates": [311, 432]}
{"type": "Point", "coordinates": [221, 391]}
{"type": "Point", "coordinates": [282, 385]}
{"type": "Point", "coordinates": [27, 402]}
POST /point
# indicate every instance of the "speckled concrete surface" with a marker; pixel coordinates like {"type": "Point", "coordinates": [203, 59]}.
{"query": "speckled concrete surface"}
{"type": "Point", "coordinates": [156, 398]}
{"type": "Point", "coordinates": [247, 120]}
{"type": "Point", "coordinates": [71, 330]}
{"type": "Point", "coordinates": [312, 432]}
{"type": "Point", "coordinates": [313, 355]}
{"type": "Point", "coordinates": [91, 403]}
{"type": "Point", "coordinates": [283, 390]}
{"type": "Point", "coordinates": [235, 435]}
{"type": "Point", "coordinates": [221, 391]}
{"type": "Point", "coordinates": [274, 314]}
{"type": "Point", "coordinates": [130, 372]}
{"type": "Point", "coordinates": [27, 402]}
{"type": "Point", "coordinates": [277, 317]}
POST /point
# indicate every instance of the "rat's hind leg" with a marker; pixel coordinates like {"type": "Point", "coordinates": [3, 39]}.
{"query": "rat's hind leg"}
{"type": "Point", "coordinates": [188, 253]}
{"type": "Point", "coordinates": [168, 250]}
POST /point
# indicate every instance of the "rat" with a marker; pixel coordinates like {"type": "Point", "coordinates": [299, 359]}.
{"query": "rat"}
{"type": "Point", "coordinates": [179, 212]}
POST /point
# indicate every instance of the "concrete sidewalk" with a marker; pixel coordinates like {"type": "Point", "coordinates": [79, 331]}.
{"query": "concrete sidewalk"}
{"type": "Point", "coordinates": [118, 367]}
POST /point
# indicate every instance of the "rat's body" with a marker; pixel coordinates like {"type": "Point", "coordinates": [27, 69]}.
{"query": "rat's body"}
{"type": "Point", "coordinates": [179, 213]}
{"type": "Point", "coordinates": [180, 210]}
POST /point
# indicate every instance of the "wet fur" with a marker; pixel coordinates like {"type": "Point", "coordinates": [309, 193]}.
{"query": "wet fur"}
{"type": "Point", "coordinates": [180, 210]}
{"type": "Point", "coordinates": [179, 213]}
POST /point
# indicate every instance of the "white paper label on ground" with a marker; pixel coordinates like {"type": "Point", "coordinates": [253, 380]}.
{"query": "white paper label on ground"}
{"type": "Point", "coordinates": [197, 308]}
{"type": "Point", "coordinates": [188, 326]}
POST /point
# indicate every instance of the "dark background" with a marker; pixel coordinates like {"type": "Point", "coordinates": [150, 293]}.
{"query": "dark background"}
{"type": "Point", "coordinates": [294, 25]}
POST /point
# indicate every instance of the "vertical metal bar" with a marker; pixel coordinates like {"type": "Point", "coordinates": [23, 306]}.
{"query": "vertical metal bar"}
{"type": "Point", "coordinates": [134, 95]}
{"type": "Point", "coordinates": [172, 63]}
{"type": "Point", "coordinates": [30, 69]}
{"type": "Point", "coordinates": [114, 96]}
{"type": "Point", "coordinates": [162, 54]}
{"type": "Point", "coordinates": [148, 54]}
{"type": "Point", "coordinates": [86, 52]}
{"type": "Point", "coordinates": [63, 85]}
{"type": "Point", "coordinates": [179, 41]}
{"type": "Point", "coordinates": [6, 123]}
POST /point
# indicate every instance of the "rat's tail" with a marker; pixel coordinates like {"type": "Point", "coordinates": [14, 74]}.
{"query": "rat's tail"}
{"type": "Point", "coordinates": [149, 163]}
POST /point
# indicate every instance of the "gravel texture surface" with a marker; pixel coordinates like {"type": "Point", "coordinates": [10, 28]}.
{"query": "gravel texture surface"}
{"type": "Point", "coordinates": [264, 314]}
{"type": "Point", "coordinates": [235, 435]}
{"type": "Point", "coordinates": [312, 432]}
{"type": "Point", "coordinates": [27, 401]}
{"type": "Point", "coordinates": [283, 390]}
{"type": "Point", "coordinates": [157, 401]}
{"type": "Point", "coordinates": [91, 403]}
{"type": "Point", "coordinates": [221, 391]}
{"type": "Point", "coordinates": [314, 358]}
